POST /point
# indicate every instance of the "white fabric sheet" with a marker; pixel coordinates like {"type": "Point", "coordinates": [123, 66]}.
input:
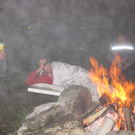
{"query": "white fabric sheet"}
{"type": "Point", "coordinates": [66, 75]}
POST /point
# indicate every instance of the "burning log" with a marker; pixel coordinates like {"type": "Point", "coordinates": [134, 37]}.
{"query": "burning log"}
{"type": "Point", "coordinates": [106, 126]}
{"type": "Point", "coordinates": [93, 117]}
{"type": "Point", "coordinates": [121, 125]}
{"type": "Point", "coordinates": [91, 110]}
{"type": "Point", "coordinates": [103, 101]}
{"type": "Point", "coordinates": [133, 116]}
{"type": "Point", "coordinates": [115, 94]}
{"type": "Point", "coordinates": [127, 116]}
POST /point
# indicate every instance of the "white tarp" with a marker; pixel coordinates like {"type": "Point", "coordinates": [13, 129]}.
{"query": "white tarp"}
{"type": "Point", "coordinates": [65, 75]}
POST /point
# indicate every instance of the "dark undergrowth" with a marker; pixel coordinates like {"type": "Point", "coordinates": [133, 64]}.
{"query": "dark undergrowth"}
{"type": "Point", "coordinates": [16, 103]}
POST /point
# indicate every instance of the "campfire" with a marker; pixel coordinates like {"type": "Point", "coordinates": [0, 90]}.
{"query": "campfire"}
{"type": "Point", "coordinates": [115, 109]}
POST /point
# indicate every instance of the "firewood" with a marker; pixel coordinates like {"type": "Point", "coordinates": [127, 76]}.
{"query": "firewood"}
{"type": "Point", "coordinates": [127, 116]}
{"type": "Point", "coordinates": [133, 114]}
{"type": "Point", "coordinates": [103, 101]}
{"type": "Point", "coordinates": [94, 107]}
{"type": "Point", "coordinates": [106, 126]}
{"type": "Point", "coordinates": [122, 126]}
{"type": "Point", "coordinates": [93, 117]}
{"type": "Point", "coordinates": [134, 126]}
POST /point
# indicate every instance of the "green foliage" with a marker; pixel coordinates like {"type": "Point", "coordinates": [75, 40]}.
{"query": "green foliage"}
{"type": "Point", "coordinates": [17, 119]}
{"type": "Point", "coordinates": [21, 115]}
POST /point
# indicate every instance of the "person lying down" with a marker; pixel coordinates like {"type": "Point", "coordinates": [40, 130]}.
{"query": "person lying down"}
{"type": "Point", "coordinates": [62, 74]}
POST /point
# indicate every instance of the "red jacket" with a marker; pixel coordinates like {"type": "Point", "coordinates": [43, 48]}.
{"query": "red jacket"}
{"type": "Point", "coordinates": [32, 78]}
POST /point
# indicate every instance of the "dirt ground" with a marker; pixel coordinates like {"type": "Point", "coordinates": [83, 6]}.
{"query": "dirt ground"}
{"type": "Point", "coordinates": [16, 103]}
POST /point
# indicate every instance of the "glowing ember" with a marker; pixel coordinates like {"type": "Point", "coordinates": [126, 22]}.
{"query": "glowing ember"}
{"type": "Point", "coordinates": [113, 83]}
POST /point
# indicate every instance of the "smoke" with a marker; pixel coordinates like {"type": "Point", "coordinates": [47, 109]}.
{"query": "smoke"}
{"type": "Point", "coordinates": [63, 30]}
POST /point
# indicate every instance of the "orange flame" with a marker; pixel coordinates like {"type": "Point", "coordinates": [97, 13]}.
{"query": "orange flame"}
{"type": "Point", "coordinates": [112, 82]}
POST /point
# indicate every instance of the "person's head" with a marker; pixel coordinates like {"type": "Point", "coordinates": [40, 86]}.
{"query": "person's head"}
{"type": "Point", "coordinates": [47, 68]}
{"type": "Point", "coordinates": [121, 37]}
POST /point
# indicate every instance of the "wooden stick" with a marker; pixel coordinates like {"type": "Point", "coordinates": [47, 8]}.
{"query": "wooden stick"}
{"type": "Point", "coordinates": [94, 107]}
{"type": "Point", "coordinates": [133, 114]}
{"type": "Point", "coordinates": [106, 126]}
{"type": "Point", "coordinates": [127, 116]}
{"type": "Point", "coordinates": [104, 99]}
{"type": "Point", "coordinates": [93, 117]}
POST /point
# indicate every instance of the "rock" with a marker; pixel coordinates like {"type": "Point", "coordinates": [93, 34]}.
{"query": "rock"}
{"type": "Point", "coordinates": [42, 121]}
{"type": "Point", "coordinates": [121, 132]}
{"type": "Point", "coordinates": [59, 118]}
{"type": "Point", "coordinates": [66, 125]}
{"type": "Point", "coordinates": [77, 97]}
{"type": "Point", "coordinates": [61, 121]}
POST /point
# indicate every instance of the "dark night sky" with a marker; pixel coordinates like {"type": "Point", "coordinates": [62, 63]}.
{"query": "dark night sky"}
{"type": "Point", "coordinates": [70, 31]}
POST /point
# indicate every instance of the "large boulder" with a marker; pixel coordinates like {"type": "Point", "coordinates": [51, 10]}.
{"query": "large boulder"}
{"type": "Point", "coordinates": [78, 98]}
{"type": "Point", "coordinates": [59, 118]}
